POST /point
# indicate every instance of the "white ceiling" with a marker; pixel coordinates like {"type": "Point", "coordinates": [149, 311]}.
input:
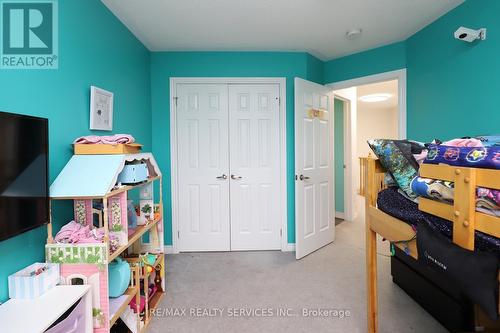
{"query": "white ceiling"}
{"type": "Point", "coordinates": [387, 87]}
{"type": "Point", "coordinates": [314, 26]}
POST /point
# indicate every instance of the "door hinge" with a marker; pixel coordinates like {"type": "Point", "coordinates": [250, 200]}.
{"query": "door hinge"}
{"type": "Point", "coordinates": [178, 234]}
{"type": "Point", "coordinates": [281, 232]}
{"type": "Point", "coordinates": [279, 100]}
{"type": "Point", "coordinates": [175, 100]}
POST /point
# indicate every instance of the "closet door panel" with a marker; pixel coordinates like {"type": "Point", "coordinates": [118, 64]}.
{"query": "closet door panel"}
{"type": "Point", "coordinates": [254, 166]}
{"type": "Point", "coordinates": [203, 159]}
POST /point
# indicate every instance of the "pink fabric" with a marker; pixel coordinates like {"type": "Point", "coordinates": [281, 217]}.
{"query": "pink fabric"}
{"type": "Point", "coordinates": [421, 157]}
{"type": "Point", "coordinates": [76, 233]}
{"type": "Point", "coordinates": [463, 143]}
{"type": "Point", "coordinates": [106, 139]}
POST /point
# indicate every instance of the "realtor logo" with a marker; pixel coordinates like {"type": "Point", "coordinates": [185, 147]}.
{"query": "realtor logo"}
{"type": "Point", "coordinates": [29, 37]}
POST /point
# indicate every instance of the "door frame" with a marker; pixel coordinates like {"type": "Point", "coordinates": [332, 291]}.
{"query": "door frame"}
{"type": "Point", "coordinates": [347, 153]}
{"type": "Point", "coordinates": [281, 81]}
{"type": "Point", "coordinates": [350, 143]}
{"type": "Point", "coordinates": [399, 75]}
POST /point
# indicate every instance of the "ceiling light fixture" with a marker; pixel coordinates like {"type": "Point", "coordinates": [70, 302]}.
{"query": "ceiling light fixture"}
{"type": "Point", "coordinates": [353, 34]}
{"type": "Point", "coordinates": [373, 98]}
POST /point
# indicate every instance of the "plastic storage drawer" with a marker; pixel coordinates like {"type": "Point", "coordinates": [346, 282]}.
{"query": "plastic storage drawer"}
{"type": "Point", "coordinates": [73, 323]}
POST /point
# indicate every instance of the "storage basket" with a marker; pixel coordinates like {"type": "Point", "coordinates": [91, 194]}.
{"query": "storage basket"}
{"type": "Point", "coordinates": [27, 284]}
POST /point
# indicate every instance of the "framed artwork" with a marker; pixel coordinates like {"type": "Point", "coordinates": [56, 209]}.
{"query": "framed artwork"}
{"type": "Point", "coordinates": [101, 109]}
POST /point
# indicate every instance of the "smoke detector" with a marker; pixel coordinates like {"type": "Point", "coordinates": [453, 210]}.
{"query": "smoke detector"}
{"type": "Point", "coordinates": [353, 34]}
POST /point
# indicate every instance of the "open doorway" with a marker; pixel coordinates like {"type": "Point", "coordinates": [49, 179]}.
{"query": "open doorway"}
{"type": "Point", "coordinates": [367, 107]}
{"type": "Point", "coordinates": [341, 106]}
{"type": "Point", "coordinates": [326, 175]}
{"type": "Point", "coordinates": [377, 114]}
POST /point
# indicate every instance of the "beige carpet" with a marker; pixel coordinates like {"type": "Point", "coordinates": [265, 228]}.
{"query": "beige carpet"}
{"type": "Point", "coordinates": [212, 288]}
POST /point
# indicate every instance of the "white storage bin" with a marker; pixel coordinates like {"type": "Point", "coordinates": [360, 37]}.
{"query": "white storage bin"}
{"type": "Point", "coordinates": [27, 285]}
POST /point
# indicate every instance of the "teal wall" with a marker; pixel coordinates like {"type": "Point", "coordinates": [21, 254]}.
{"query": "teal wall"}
{"type": "Point", "coordinates": [315, 69]}
{"type": "Point", "coordinates": [453, 86]}
{"type": "Point", "coordinates": [338, 142]}
{"type": "Point", "coordinates": [94, 49]}
{"type": "Point", "coordinates": [165, 65]}
{"type": "Point", "coordinates": [383, 59]}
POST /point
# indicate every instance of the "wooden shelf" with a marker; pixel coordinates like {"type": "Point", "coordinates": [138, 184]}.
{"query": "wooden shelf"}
{"type": "Point", "coordinates": [157, 261]}
{"type": "Point", "coordinates": [138, 261]}
{"type": "Point", "coordinates": [155, 300]}
{"type": "Point", "coordinates": [125, 188]}
{"type": "Point", "coordinates": [139, 231]}
{"type": "Point", "coordinates": [130, 293]}
{"type": "Point", "coordinates": [107, 149]}
{"type": "Point", "coordinates": [153, 304]}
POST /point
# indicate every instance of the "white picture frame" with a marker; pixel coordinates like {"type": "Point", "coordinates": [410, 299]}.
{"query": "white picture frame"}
{"type": "Point", "coordinates": [101, 109]}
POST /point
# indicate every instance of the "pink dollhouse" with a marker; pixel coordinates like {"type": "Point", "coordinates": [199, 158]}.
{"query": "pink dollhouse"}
{"type": "Point", "coordinates": [91, 179]}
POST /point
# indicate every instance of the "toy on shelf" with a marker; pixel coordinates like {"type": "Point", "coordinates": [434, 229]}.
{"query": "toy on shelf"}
{"type": "Point", "coordinates": [152, 282]}
{"type": "Point", "coordinates": [105, 228]}
{"type": "Point", "coordinates": [133, 173]}
{"type": "Point", "coordinates": [119, 276]}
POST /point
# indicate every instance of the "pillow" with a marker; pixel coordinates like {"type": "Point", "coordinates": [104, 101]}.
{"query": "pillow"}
{"type": "Point", "coordinates": [433, 189]}
{"type": "Point", "coordinates": [474, 272]}
{"type": "Point", "coordinates": [489, 140]}
{"type": "Point", "coordinates": [396, 157]}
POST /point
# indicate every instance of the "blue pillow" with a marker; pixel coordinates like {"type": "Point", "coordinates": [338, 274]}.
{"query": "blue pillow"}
{"type": "Point", "coordinates": [396, 157]}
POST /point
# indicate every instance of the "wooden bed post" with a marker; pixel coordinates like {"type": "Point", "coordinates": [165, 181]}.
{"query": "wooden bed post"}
{"type": "Point", "coordinates": [464, 207]}
{"type": "Point", "coordinates": [371, 247]}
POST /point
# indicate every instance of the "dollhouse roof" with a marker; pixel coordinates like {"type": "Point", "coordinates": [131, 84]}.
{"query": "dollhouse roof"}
{"type": "Point", "coordinates": [95, 175]}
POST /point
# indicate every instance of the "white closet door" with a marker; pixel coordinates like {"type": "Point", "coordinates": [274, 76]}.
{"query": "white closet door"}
{"type": "Point", "coordinates": [254, 164]}
{"type": "Point", "coordinates": [314, 197]}
{"type": "Point", "coordinates": [203, 167]}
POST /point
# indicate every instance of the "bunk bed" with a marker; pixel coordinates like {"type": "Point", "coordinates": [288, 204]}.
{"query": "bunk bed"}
{"type": "Point", "coordinates": [466, 220]}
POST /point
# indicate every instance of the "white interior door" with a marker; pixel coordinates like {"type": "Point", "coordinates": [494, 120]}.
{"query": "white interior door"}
{"type": "Point", "coordinates": [254, 134]}
{"type": "Point", "coordinates": [203, 167]}
{"type": "Point", "coordinates": [314, 196]}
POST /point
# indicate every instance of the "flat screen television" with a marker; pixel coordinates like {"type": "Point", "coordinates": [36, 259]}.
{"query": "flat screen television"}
{"type": "Point", "coordinates": [24, 190]}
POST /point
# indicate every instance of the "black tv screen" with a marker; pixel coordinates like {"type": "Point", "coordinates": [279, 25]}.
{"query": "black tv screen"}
{"type": "Point", "coordinates": [24, 197]}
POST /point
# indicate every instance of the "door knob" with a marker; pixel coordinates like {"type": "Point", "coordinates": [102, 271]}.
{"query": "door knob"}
{"type": "Point", "coordinates": [233, 177]}
{"type": "Point", "coordinates": [302, 177]}
{"type": "Point", "coordinates": [222, 177]}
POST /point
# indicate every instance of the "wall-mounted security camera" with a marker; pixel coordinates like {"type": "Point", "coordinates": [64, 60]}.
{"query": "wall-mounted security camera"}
{"type": "Point", "coordinates": [470, 35]}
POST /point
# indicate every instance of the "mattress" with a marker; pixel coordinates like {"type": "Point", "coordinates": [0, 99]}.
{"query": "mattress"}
{"type": "Point", "coordinates": [391, 202]}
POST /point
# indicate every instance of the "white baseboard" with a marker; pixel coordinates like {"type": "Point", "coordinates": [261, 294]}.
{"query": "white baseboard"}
{"type": "Point", "coordinates": [340, 215]}
{"type": "Point", "coordinates": [169, 249]}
